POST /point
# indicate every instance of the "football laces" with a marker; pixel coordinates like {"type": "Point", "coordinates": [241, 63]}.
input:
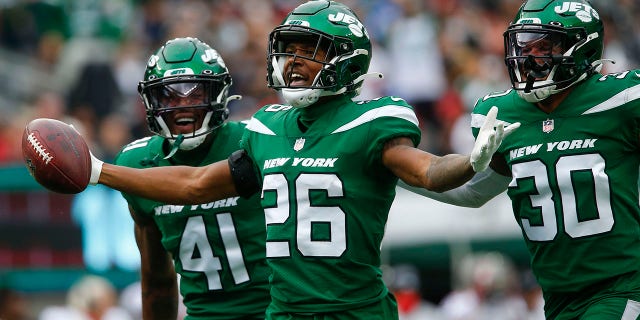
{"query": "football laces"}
{"type": "Point", "coordinates": [40, 150]}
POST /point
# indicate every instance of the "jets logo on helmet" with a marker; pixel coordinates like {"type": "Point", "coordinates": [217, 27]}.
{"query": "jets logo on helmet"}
{"type": "Point", "coordinates": [211, 55]}
{"type": "Point", "coordinates": [352, 22]}
{"type": "Point", "coordinates": [297, 23]}
{"type": "Point", "coordinates": [529, 21]}
{"type": "Point", "coordinates": [175, 72]}
{"type": "Point", "coordinates": [152, 61]}
{"type": "Point", "coordinates": [583, 11]}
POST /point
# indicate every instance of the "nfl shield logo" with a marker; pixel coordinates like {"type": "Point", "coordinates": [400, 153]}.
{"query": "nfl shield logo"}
{"type": "Point", "coordinates": [547, 125]}
{"type": "Point", "coordinates": [299, 144]}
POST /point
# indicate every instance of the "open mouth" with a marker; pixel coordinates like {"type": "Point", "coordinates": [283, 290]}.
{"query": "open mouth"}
{"type": "Point", "coordinates": [297, 80]}
{"type": "Point", "coordinates": [184, 123]}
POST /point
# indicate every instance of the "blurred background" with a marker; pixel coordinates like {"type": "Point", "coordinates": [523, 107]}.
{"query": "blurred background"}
{"type": "Point", "coordinates": [80, 61]}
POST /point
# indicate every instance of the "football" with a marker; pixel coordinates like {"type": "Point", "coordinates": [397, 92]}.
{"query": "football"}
{"type": "Point", "coordinates": [56, 155]}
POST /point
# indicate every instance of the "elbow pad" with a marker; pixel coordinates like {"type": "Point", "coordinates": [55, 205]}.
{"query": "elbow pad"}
{"type": "Point", "coordinates": [244, 174]}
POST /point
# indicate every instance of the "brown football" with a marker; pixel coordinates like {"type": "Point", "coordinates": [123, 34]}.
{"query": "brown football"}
{"type": "Point", "coordinates": [56, 155]}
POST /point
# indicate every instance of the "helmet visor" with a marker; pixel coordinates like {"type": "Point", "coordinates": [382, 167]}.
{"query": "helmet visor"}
{"type": "Point", "coordinates": [536, 43]}
{"type": "Point", "coordinates": [184, 89]}
{"type": "Point", "coordinates": [183, 93]}
{"type": "Point", "coordinates": [184, 105]}
{"type": "Point", "coordinates": [532, 52]}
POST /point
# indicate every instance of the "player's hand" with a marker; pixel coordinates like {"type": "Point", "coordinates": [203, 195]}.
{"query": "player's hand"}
{"type": "Point", "coordinates": [96, 164]}
{"type": "Point", "coordinates": [488, 140]}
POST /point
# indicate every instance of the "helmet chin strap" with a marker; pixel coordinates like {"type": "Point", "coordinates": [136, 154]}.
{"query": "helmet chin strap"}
{"type": "Point", "coordinates": [304, 97]}
{"type": "Point", "coordinates": [175, 146]}
{"type": "Point", "coordinates": [301, 97]}
{"type": "Point", "coordinates": [154, 162]}
{"type": "Point", "coordinates": [545, 89]}
{"type": "Point", "coordinates": [537, 95]}
{"type": "Point", "coordinates": [191, 143]}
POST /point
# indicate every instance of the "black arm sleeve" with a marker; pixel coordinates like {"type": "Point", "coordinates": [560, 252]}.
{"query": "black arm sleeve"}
{"type": "Point", "coordinates": [244, 174]}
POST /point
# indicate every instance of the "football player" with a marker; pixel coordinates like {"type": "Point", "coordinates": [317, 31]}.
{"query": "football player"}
{"type": "Point", "coordinates": [217, 247]}
{"type": "Point", "coordinates": [571, 170]}
{"type": "Point", "coordinates": [325, 166]}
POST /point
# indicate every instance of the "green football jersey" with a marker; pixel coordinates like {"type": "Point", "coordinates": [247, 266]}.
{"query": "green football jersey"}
{"type": "Point", "coordinates": [218, 248]}
{"type": "Point", "coordinates": [574, 190]}
{"type": "Point", "coordinates": [327, 197]}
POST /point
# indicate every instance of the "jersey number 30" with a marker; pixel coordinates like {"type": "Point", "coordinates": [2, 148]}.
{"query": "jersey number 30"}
{"type": "Point", "coordinates": [541, 197]}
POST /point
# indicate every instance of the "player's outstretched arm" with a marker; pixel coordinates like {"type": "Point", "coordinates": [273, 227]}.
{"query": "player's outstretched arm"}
{"type": "Point", "coordinates": [422, 169]}
{"type": "Point", "coordinates": [64, 163]}
{"type": "Point", "coordinates": [440, 173]}
{"type": "Point", "coordinates": [172, 184]}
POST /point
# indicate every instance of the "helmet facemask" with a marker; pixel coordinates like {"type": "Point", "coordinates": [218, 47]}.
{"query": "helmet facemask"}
{"type": "Point", "coordinates": [200, 102]}
{"type": "Point", "coordinates": [335, 43]}
{"type": "Point", "coordinates": [318, 48]}
{"type": "Point", "coordinates": [185, 92]}
{"type": "Point", "coordinates": [552, 45]}
{"type": "Point", "coordinates": [540, 61]}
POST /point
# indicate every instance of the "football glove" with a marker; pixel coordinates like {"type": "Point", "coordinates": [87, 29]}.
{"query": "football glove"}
{"type": "Point", "coordinates": [488, 140]}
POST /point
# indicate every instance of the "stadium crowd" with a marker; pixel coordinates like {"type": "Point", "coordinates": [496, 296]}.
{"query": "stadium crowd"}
{"type": "Point", "coordinates": [81, 61]}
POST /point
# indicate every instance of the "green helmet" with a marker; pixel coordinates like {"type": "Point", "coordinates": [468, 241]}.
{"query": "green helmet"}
{"type": "Point", "coordinates": [552, 45]}
{"type": "Point", "coordinates": [329, 26]}
{"type": "Point", "coordinates": [185, 67]}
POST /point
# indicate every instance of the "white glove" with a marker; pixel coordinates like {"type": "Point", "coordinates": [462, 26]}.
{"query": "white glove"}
{"type": "Point", "coordinates": [96, 168]}
{"type": "Point", "coordinates": [488, 140]}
